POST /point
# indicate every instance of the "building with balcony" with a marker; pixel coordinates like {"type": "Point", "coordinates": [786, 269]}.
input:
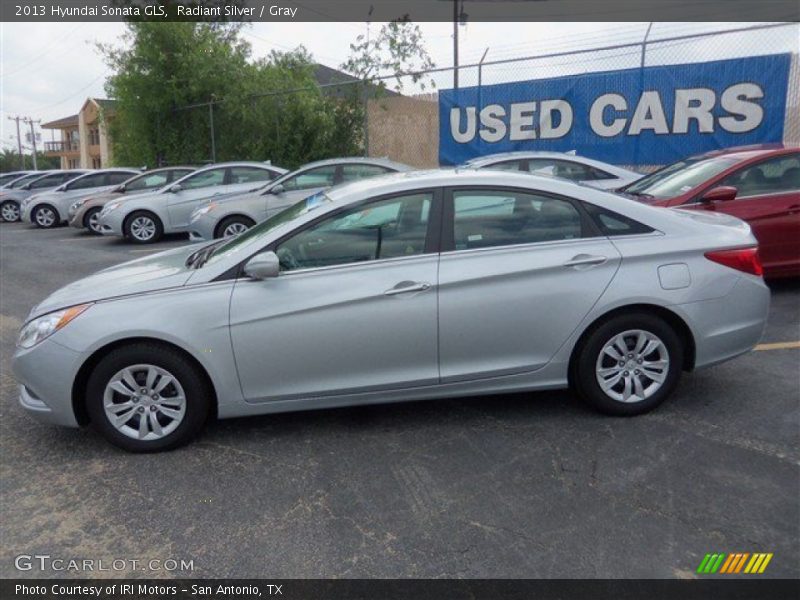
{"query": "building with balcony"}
{"type": "Point", "coordinates": [84, 142]}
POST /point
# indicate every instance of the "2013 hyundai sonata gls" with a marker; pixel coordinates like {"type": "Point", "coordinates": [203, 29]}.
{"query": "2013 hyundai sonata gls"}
{"type": "Point", "coordinates": [404, 287]}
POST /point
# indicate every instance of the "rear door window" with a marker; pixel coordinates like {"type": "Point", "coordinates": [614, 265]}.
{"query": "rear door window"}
{"type": "Point", "coordinates": [490, 218]}
{"type": "Point", "coordinates": [774, 176]}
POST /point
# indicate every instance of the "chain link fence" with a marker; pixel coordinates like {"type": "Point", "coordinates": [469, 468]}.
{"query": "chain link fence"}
{"type": "Point", "coordinates": [399, 118]}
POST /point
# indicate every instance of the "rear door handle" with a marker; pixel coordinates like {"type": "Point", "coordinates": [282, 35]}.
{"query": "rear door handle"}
{"type": "Point", "coordinates": [406, 287]}
{"type": "Point", "coordinates": [585, 260]}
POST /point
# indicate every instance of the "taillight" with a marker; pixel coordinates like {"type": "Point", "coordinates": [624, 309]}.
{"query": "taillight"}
{"type": "Point", "coordinates": [741, 259]}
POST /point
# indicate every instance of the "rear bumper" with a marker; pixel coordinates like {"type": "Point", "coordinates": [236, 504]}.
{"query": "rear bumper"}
{"type": "Point", "coordinates": [726, 327]}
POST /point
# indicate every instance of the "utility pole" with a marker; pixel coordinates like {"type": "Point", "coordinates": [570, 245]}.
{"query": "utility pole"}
{"type": "Point", "coordinates": [19, 143]}
{"type": "Point", "coordinates": [455, 44]}
{"type": "Point", "coordinates": [30, 122]}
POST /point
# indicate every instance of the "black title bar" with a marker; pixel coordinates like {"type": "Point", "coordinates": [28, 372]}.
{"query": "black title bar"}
{"type": "Point", "coordinates": [388, 10]}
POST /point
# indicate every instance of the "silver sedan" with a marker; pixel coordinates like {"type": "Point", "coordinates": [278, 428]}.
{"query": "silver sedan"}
{"type": "Point", "coordinates": [417, 285]}
{"type": "Point", "coordinates": [144, 218]}
{"type": "Point", "coordinates": [231, 215]}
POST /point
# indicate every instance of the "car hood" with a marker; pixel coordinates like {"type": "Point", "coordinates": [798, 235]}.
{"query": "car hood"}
{"type": "Point", "coordinates": [149, 274]}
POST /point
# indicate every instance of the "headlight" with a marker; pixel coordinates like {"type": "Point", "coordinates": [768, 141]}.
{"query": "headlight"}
{"type": "Point", "coordinates": [202, 211]}
{"type": "Point", "coordinates": [77, 204]}
{"type": "Point", "coordinates": [43, 327]}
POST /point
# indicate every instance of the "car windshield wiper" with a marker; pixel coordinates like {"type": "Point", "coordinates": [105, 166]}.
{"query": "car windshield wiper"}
{"type": "Point", "coordinates": [198, 258]}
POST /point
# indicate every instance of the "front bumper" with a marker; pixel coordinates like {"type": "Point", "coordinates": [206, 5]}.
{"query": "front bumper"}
{"type": "Point", "coordinates": [46, 373]}
{"type": "Point", "coordinates": [202, 229]}
{"type": "Point", "coordinates": [111, 223]}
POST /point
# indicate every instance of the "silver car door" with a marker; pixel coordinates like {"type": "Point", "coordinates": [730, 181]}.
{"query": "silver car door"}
{"type": "Point", "coordinates": [354, 308]}
{"type": "Point", "coordinates": [518, 272]}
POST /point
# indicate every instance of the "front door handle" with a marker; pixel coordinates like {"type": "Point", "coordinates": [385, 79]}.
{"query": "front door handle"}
{"type": "Point", "coordinates": [585, 260]}
{"type": "Point", "coordinates": [406, 287]}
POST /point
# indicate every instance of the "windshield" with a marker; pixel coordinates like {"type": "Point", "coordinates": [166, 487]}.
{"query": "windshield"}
{"type": "Point", "coordinates": [264, 228]}
{"type": "Point", "coordinates": [678, 178]}
{"type": "Point", "coordinates": [23, 180]}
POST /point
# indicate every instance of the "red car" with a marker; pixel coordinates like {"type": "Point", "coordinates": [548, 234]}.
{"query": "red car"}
{"type": "Point", "coordinates": [758, 184]}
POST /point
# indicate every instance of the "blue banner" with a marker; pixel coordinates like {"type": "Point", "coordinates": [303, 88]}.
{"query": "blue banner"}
{"type": "Point", "coordinates": [649, 116]}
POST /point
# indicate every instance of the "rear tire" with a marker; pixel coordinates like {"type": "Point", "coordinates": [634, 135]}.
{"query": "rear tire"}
{"type": "Point", "coordinates": [143, 227]}
{"type": "Point", "coordinates": [628, 365]}
{"type": "Point", "coordinates": [45, 216]}
{"type": "Point", "coordinates": [231, 226]}
{"type": "Point", "coordinates": [158, 398]}
{"type": "Point", "coordinates": [9, 211]}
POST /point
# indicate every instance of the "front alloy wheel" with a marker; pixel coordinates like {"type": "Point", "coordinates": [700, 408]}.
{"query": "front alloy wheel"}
{"type": "Point", "coordinates": [91, 221]}
{"type": "Point", "coordinates": [143, 228]}
{"type": "Point", "coordinates": [144, 402]}
{"type": "Point", "coordinates": [9, 211]}
{"type": "Point", "coordinates": [148, 396]}
{"type": "Point", "coordinates": [45, 217]}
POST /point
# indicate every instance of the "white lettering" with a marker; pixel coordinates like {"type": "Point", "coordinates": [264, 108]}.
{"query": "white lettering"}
{"type": "Point", "coordinates": [735, 100]}
{"type": "Point", "coordinates": [462, 137]}
{"type": "Point", "coordinates": [694, 104]}
{"type": "Point", "coordinates": [493, 127]}
{"type": "Point", "coordinates": [521, 123]}
{"type": "Point", "coordinates": [564, 110]}
{"type": "Point", "coordinates": [598, 125]}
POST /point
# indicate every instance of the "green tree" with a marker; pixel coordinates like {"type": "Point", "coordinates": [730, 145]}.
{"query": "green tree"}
{"type": "Point", "coordinates": [397, 51]}
{"type": "Point", "coordinates": [269, 108]}
{"type": "Point", "coordinates": [9, 161]}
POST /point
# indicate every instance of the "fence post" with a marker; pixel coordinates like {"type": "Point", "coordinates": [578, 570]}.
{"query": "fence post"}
{"type": "Point", "coordinates": [480, 78]}
{"type": "Point", "coordinates": [211, 126]}
{"type": "Point", "coordinates": [366, 119]}
{"type": "Point", "coordinates": [644, 43]}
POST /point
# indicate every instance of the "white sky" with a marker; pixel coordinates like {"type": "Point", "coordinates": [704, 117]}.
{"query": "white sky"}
{"type": "Point", "coordinates": [47, 70]}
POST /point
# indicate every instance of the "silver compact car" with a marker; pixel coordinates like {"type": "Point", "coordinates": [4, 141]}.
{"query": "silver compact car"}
{"type": "Point", "coordinates": [566, 165]}
{"type": "Point", "coordinates": [13, 197]}
{"type": "Point", "coordinates": [84, 212]}
{"type": "Point", "coordinates": [51, 209]}
{"type": "Point", "coordinates": [231, 215]}
{"type": "Point", "coordinates": [145, 218]}
{"type": "Point", "coordinates": [403, 287]}
{"type": "Point", "coordinates": [12, 176]}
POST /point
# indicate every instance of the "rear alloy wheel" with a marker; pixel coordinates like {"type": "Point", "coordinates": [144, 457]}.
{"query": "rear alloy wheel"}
{"type": "Point", "coordinates": [146, 397]}
{"type": "Point", "coordinates": [9, 211]}
{"type": "Point", "coordinates": [91, 221]}
{"type": "Point", "coordinates": [233, 226]}
{"type": "Point", "coordinates": [143, 228]}
{"type": "Point", "coordinates": [45, 216]}
{"type": "Point", "coordinates": [629, 364]}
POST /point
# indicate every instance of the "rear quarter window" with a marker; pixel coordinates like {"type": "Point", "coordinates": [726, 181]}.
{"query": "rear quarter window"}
{"type": "Point", "coordinates": [612, 223]}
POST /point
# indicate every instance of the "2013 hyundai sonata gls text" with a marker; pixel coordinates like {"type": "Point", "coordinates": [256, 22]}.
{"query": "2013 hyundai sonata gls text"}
{"type": "Point", "coordinates": [403, 287]}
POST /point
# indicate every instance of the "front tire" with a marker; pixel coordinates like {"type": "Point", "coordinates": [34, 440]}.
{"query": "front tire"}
{"type": "Point", "coordinates": [9, 211]}
{"type": "Point", "coordinates": [628, 365]}
{"type": "Point", "coordinates": [91, 221]}
{"type": "Point", "coordinates": [143, 227]}
{"type": "Point", "coordinates": [147, 397]}
{"type": "Point", "coordinates": [45, 216]}
{"type": "Point", "coordinates": [231, 226]}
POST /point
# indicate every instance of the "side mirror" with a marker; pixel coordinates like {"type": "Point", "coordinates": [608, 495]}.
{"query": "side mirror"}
{"type": "Point", "coordinates": [263, 266]}
{"type": "Point", "coordinates": [720, 194]}
{"type": "Point", "coordinates": [176, 188]}
{"type": "Point", "coordinates": [27, 186]}
{"type": "Point", "coordinates": [121, 188]}
{"type": "Point", "coordinates": [277, 189]}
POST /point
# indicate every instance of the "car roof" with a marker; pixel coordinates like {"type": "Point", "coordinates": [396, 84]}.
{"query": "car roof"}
{"type": "Point", "coordinates": [358, 160]}
{"type": "Point", "coordinates": [487, 158]}
{"type": "Point", "coordinates": [742, 153]}
{"type": "Point", "coordinates": [242, 163]}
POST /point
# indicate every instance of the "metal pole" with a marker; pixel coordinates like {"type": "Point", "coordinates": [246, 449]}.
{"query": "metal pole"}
{"type": "Point", "coordinates": [644, 43]}
{"type": "Point", "coordinates": [33, 141]}
{"type": "Point", "coordinates": [19, 144]}
{"type": "Point", "coordinates": [211, 123]}
{"type": "Point", "coordinates": [455, 44]}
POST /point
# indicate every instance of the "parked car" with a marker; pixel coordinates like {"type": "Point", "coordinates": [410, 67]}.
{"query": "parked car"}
{"type": "Point", "coordinates": [758, 184]}
{"type": "Point", "coordinates": [559, 164]}
{"type": "Point", "coordinates": [84, 213]}
{"type": "Point", "coordinates": [231, 215]}
{"type": "Point", "coordinates": [51, 209]}
{"type": "Point", "coordinates": [402, 287]}
{"type": "Point", "coordinates": [6, 178]}
{"type": "Point", "coordinates": [11, 199]}
{"type": "Point", "coordinates": [145, 218]}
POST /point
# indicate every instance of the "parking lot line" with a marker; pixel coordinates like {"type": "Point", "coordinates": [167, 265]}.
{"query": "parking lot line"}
{"type": "Point", "coordinates": [778, 346]}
